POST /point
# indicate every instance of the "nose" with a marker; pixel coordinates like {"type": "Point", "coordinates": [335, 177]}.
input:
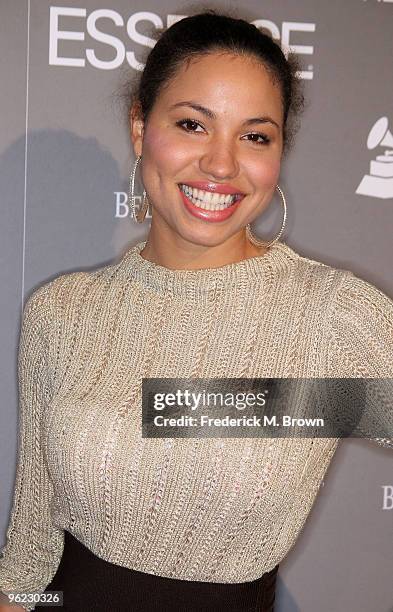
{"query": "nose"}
{"type": "Point", "coordinates": [219, 160]}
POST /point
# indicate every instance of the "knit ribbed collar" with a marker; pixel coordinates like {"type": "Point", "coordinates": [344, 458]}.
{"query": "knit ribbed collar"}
{"type": "Point", "coordinates": [260, 269]}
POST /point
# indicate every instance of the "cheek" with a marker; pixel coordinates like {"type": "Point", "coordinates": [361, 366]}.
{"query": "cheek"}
{"type": "Point", "coordinates": [265, 174]}
{"type": "Point", "coordinates": [162, 149]}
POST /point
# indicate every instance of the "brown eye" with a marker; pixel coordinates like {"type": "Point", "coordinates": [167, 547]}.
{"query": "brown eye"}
{"type": "Point", "coordinates": [190, 123]}
{"type": "Point", "coordinates": [256, 135]}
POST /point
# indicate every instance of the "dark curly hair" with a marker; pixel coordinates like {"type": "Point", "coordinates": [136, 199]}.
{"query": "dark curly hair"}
{"type": "Point", "coordinates": [208, 32]}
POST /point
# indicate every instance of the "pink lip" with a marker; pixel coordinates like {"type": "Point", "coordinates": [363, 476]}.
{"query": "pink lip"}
{"type": "Point", "coordinates": [214, 187]}
{"type": "Point", "coordinates": [209, 215]}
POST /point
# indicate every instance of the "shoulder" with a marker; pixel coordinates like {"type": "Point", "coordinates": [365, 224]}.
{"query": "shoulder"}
{"type": "Point", "coordinates": [355, 317]}
{"type": "Point", "coordinates": [358, 298]}
{"type": "Point", "coordinates": [348, 292]}
{"type": "Point", "coordinates": [362, 326]}
{"type": "Point", "coordinates": [55, 313]}
{"type": "Point", "coordinates": [316, 278]}
{"type": "Point", "coordinates": [64, 294]}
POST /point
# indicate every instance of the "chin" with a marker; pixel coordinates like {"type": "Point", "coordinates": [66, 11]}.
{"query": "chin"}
{"type": "Point", "coordinates": [210, 239]}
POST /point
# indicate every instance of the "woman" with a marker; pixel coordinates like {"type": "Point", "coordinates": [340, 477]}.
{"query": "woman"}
{"type": "Point", "coordinates": [121, 522]}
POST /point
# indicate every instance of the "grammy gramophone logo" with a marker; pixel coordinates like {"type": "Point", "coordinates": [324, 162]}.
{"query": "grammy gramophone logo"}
{"type": "Point", "coordinates": [379, 182]}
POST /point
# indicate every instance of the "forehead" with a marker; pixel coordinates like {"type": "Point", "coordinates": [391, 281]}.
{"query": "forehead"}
{"type": "Point", "coordinates": [226, 80]}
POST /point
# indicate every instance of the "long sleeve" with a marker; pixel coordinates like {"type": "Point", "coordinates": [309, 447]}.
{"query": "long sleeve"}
{"type": "Point", "coordinates": [361, 346]}
{"type": "Point", "coordinates": [34, 546]}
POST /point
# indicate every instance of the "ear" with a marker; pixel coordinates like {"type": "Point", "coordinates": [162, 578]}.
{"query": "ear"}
{"type": "Point", "coordinates": [136, 126]}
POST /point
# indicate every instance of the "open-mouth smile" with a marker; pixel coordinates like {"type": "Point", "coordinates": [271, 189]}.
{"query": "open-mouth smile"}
{"type": "Point", "coordinates": [209, 205]}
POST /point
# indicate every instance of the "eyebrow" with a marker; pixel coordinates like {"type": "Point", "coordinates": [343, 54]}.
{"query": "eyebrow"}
{"type": "Point", "coordinates": [208, 113]}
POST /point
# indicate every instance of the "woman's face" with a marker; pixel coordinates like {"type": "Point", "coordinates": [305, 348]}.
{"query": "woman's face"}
{"type": "Point", "coordinates": [216, 128]}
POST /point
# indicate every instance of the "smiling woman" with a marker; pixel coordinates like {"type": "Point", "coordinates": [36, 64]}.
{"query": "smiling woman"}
{"type": "Point", "coordinates": [118, 521]}
{"type": "Point", "coordinates": [212, 154]}
{"type": "Point", "coordinates": [227, 170]}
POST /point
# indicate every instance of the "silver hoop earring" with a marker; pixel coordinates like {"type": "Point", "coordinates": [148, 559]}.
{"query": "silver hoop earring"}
{"type": "Point", "coordinates": [261, 243]}
{"type": "Point", "coordinates": [139, 216]}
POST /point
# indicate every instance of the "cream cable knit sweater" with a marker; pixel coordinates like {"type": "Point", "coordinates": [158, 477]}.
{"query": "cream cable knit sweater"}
{"type": "Point", "coordinates": [219, 510]}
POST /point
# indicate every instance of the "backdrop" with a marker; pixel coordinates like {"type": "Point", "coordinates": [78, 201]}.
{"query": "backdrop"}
{"type": "Point", "coordinates": [65, 159]}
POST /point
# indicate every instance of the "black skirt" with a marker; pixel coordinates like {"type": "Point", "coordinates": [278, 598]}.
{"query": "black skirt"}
{"type": "Point", "coordinates": [90, 584]}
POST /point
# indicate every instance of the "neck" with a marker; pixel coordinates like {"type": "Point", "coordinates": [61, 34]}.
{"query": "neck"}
{"type": "Point", "coordinates": [175, 252]}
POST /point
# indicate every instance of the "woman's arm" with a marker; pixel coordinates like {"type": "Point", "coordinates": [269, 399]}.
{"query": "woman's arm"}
{"type": "Point", "coordinates": [361, 346]}
{"type": "Point", "coordinates": [34, 546]}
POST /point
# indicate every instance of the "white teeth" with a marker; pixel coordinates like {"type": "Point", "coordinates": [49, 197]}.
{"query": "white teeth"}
{"type": "Point", "coordinates": [206, 199]}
